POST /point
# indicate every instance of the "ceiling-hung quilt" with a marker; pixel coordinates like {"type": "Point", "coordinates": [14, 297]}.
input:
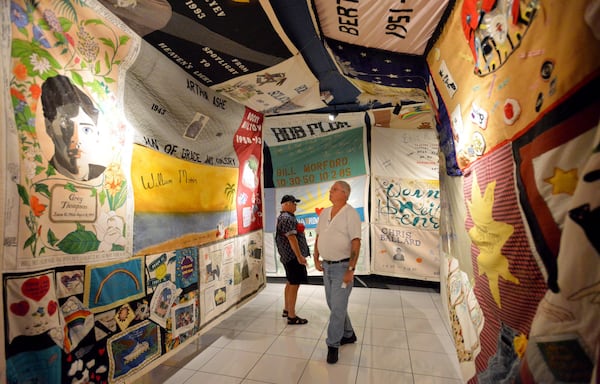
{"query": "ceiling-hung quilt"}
{"type": "Point", "coordinates": [377, 68]}
{"type": "Point", "coordinates": [403, 26]}
{"type": "Point", "coordinates": [380, 45]}
{"type": "Point", "coordinates": [235, 47]}
{"type": "Point", "coordinates": [294, 16]}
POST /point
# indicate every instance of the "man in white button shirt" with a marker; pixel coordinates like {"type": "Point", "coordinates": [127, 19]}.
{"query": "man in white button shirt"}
{"type": "Point", "coordinates": [336, 251]}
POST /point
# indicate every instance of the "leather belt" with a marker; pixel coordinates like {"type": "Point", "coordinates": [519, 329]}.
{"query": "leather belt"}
{"type": "Point", "coordinates": [336, 261]}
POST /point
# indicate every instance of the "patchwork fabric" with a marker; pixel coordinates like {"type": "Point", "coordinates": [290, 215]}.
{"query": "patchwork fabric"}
{"type": "Point", "coordinates": [508, 282]}
{"type": "Point", "coordinates": [548, 157]}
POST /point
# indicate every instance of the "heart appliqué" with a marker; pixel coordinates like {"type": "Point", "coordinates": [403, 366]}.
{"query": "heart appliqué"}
{"type": "Point", "coordinates": [20, 309]}
{"type": "Point", "coordinates": [70, 281]}
{"type": "Point", "coordinates": [52, 306]}
{"type": "Point", "coordinates": [36, 287]}
{"type": "Point", "coordinates": [319, 210]}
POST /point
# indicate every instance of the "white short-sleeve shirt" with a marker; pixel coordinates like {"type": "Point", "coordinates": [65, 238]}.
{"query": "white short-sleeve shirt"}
{"type": "Point", "coordinates": [336, 235]}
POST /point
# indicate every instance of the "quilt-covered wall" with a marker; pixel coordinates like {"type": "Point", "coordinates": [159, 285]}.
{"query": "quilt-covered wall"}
{"type": "Point", "coordinates": [393, 175]}
{"type": "Point", "coordinates": [131, 198]}
{"type": "Point", "coordinates": [133, 142]}
{"type": "Point", "coordinates": [405, 193]}
{"type": "Point", "coordinates": [518, 102]}
{"type": "Point", "coordinates": [304, 155]}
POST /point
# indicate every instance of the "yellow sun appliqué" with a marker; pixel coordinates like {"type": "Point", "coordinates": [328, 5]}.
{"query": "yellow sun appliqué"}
{"type": "Point", "coordinates": [489, 236]}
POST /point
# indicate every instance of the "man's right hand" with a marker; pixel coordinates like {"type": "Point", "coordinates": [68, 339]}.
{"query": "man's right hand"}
{"type": "Point", "coordinates": [318, 265]}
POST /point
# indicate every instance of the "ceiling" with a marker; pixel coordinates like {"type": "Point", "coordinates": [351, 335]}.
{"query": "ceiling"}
{"type": "Point", "coordinates": [363, 55]}
{"type": "Point", "coordinates": [332, 60]}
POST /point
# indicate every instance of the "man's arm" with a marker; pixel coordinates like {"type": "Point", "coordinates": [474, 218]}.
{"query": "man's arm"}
{"type": "Point", "coordinates": [296, 248]}
{"type": "Point", "coordinates": [316, 255]}
{"type": "Point", "coordinates": [354, 252]}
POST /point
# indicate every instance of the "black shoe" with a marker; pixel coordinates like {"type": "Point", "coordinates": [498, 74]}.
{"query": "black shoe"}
{"type": "Point", "coordinates": [332, 355]}
{"type": "Point", "coordinates": [348, 340]}
{"type": "Point", "coordinates": [297, 320]}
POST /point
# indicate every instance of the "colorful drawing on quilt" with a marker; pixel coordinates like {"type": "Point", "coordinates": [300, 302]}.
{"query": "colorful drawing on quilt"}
{"type": "Point", "coordinates": [133, 349]}
{"type": "Point", "coordinates": [228, 252]}
{"type": "Point", "coordinates": [36, 366]}
{"type": "Point", "coordinates": [175, 334]}
{"type": "Point", "coordinates": [247, 144]}
{"type": "Point", "coordinates": [159, 268]}
{"type": "Point", "coordinates": [220, 295]}
{"type": "Point", "coordinates": [31, 305]}
{"type": "Point", "coordinates": [164, 296]}
{"type": "Point", "coordinates": [466, 316]}
{"type": "Point", "coordinates": [133, 277]}
{"type": "Point", "coordinates": [105, 324]}
{"type": "Point", "coordinates": [409, 203]}
{"type": "Point", "coordinates": [253, 250]}
{"type": "Point", "coordinates": [252, 253]}
{"type": "Point", "coordinates": [405, 252]}
{"type": "Point", "coordinates": [79, 321]}
{"type": "Point", "coordinates": [165, 216]}
{"type": "Point", "coordinates": [69, 283]}
{"type": "Point", "coordinates": [212, 260]}
{"type": "Point", "coordinates": [187, 267]}
{"type": "Point", "coordinates": [124, 316]}
{"type": "Point", "coordinates": [406, 116]}
{"type": "Point", "coordinates": [240, 272]}
{"type": "Point", "coordinates": [142, 310]}
{"type": "Point", "coordinates": [71, 121]}
{"type": "Point", "coordinates": [88, 364]}
{"type": "Point", "coordinates": [495, 29]}
{"type": "Point", "coordinates": [63, 91]}
{"type": "Point", "coordinates": [112, 284]}
{"type": "Point", "coordinates": [184, 317]}
{"type": "Point", "coordinates": [489, 236]}
{"type": "Point", "coordinates": [342, 153]}
{"type": "Point", "coordinates": [405, 203]}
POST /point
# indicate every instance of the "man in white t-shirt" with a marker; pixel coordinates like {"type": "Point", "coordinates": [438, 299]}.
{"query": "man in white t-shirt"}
{"type": "Point", "coordinates": [336, 251]}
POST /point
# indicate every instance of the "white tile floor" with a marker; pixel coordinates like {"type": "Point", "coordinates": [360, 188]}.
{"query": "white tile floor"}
{"type": "Point", "coordinates": [401, 339]}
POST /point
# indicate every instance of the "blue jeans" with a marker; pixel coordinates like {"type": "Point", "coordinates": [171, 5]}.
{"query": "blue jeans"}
{"type": "Point", "coordinates": [337, 300]}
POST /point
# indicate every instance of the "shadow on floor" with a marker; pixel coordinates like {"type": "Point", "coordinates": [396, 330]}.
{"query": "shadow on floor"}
{"type": "Point", "coordinates": [372, 281]}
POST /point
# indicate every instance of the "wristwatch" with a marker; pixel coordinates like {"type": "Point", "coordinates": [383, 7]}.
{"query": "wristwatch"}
{"type": "Point", "coordinates": [350, 268]}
